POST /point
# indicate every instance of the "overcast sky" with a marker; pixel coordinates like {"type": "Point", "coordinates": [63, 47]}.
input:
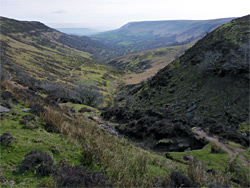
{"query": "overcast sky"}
{"type": "Point", "coordinates": [110, 14]}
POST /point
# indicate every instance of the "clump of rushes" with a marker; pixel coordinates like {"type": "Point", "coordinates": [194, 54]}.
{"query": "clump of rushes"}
{"type": "Point", "coordinates": [54, 120]}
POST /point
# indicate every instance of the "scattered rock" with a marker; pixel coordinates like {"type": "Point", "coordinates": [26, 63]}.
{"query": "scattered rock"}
{"type": "Point", "coordinates": [96, 118]}
{"type": "Point", "coordinates": [188, 149]}
{"type": "Point", "coordinates": [109, 129]}
{"type": "Point", "coordinates": [4, 109]}
{"type": "Point", "coordinates": [192, 108]}
{"type": "Point", "coordinates": [244, 134]}
{"type": "Point", "coordinates": [26, 110]}
{"type": "Point", "coordinates": [189, 114]}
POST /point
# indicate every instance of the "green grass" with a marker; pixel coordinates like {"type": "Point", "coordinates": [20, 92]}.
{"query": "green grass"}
{"type": "Point", "coordinates": [58, 147]}
{"type": "Point", "coordinates": [217, 161]}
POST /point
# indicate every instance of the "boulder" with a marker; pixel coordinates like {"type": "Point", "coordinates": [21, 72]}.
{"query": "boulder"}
{"type": "Point", "coordinates": [4, 109]}
{"type": "Point", "coordinates": [26, 109]}
{"type": "Point", "coordinates": [192, 108]}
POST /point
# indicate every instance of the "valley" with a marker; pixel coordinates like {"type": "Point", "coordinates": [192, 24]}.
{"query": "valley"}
{"type": "Point", "coordinates": [152, 104]}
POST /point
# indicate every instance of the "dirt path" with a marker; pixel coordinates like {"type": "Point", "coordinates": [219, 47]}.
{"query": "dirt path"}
{"type": "Point", "coordinates": [232, 153]}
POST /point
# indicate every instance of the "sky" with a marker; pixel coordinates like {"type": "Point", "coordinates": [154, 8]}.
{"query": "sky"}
{"type": "Point", "coordinates": [112, 14]}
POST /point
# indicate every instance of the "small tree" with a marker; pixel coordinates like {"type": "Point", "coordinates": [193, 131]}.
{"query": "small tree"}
{"type": "Point", "coordinates": [87, 94]}
{"type": "Point", "coordinates": [210, 62]}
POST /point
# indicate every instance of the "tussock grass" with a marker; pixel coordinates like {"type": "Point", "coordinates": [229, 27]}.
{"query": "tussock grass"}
{"type": "Point", "coordinates": [122, 163]}
{"type": "Point", "coordinates": [198, 173]}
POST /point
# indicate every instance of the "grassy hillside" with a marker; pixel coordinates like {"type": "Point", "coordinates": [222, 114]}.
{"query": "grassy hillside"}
{"type": "Point", "coordinates": [140, 36]}
{"type": "Point", "coordinates": [140, 66]}
{"type": "Point", "coordinates": [206, 87]}
{"type": "Point", "coordinates": [22, 30]}
{"type": "Point", "coordinates": [40, 57]}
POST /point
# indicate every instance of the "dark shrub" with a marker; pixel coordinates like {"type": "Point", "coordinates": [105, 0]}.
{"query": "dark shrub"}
{"type": "Point", "coordinates": [77, 176]}
{"type": "Point", "coordinates": [54, 90]}
{"type": "Point", "coordinates": [84, 109]}
{"type": "Point", "coordinates": [6, 139]}
{"type": "Point", "coordinates": [30, 126]}
{"type": "Point", "coordinates": [28, 118]}
{"type": "Point", "coordinates": [38, 161]}
{"type": "Point", "coordinates": [179, 180]}
{"type": "Point", "coordinates": [233, 135]}
{"type": "Point", "coordinates": [37, 109]}
{"type": "Point", "coordinates": [6, 95]}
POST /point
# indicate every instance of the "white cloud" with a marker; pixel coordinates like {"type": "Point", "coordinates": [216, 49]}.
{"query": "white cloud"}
{"type": "Point", "coordinates": [59, 12]}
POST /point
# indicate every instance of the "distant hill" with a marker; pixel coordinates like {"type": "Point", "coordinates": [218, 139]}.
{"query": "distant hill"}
{"type": "Point", "coordinates": [78, 31]}
{"type": "Point", "coordinates": [206, 87]}
{"type": "Point", "coordinates": [146, 35]}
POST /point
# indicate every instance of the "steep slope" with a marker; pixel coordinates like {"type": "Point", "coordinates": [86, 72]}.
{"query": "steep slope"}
{"type": "Point", "coordinates": [43, 35]}
{"type": "Point", "coordinates": [140, 36]}
{"type": "Point", "coordinates": [39, 56]}
{"type": "Point", "coordinates": [206, 87]}
{"type": "Point", "coordinates": [142, 65]}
